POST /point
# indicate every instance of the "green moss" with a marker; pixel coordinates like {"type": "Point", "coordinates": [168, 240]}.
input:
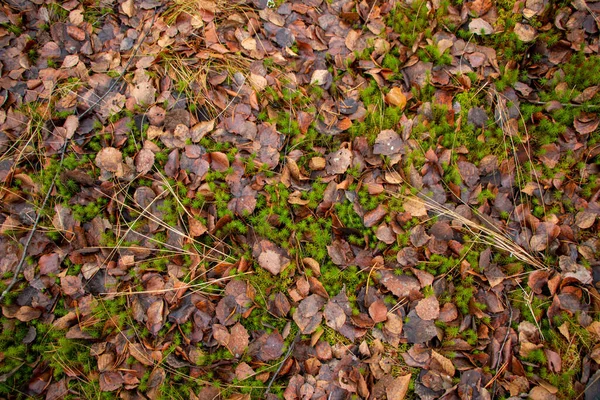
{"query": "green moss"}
{"type": "Point", "coordinates": [409, 21]}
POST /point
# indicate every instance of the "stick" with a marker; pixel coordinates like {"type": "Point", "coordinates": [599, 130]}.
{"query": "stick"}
{"type": "Point", "coordinates": [287, 355]}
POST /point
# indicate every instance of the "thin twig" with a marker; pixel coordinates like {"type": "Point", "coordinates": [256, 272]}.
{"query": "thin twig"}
{"type": "Point", "coordinates": [287, 355]}
{"type": "Point", "coordinates": [63, 151]}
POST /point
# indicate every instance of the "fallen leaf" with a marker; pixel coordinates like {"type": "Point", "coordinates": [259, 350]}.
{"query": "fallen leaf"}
{"type": "Point", "coordinates": [418, 330]}
{"type": "Point", "coordinates": [480, 26]}
{"type": "Point", "coordinates": [443, 364]}
{"type": "Point", "coordinates": [585, 219]}
{"type": "Point", "coordinates": [396, 98]}
{"type": "Point", "coordinates": [239, 340]}
{"type": "Point", "coordinates": [334, 315]}
{"type": "Point", "coordinates": [428, 309]}
{"type": "Point", "coordinates": [144, 161]}
{"type": "Point", "coordinates": [398, 388]}
{"type": "Point", "coordinates": [338, 162]}
{"type": "Point", "coordinates": [270, 257]}
{"type": "Point", "coordinates": [320, 77]}
{"type": "Point", "coordinates": [387, 143]}
{"type": "Point", "coordinates": [128, 8]}
{"type": "Point", "coordinates": [308, 315]}
{"type": "Point", "coordinates": [399, 285]}
{"type": "Point", "coordinates": [480, 7]}
{"type": "Point", "coordinates": [155, 319]}
{"type": "Point", "coordinates": [378, 311]}
{"type": "Point", "coordinates": [525, 33]}
{"type": "Point", "coordinates": [110, 159]}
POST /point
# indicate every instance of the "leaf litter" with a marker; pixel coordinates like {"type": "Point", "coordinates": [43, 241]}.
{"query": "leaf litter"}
{"type": "Point", "coordinates": [299, 200]}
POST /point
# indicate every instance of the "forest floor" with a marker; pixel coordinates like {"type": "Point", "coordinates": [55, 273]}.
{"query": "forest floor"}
{"type": "Point", "coordinates": [314, 199]}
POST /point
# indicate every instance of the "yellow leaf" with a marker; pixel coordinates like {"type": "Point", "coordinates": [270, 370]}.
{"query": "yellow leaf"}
{"type": "Point", "coordinates": [396, 98]}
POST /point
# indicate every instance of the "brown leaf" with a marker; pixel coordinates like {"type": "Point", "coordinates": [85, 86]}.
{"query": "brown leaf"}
{"type": "Point", "coordinates": [585, 219]}
{"type": "Point", "coordinates": [362, 320]}
{"type": "Point", "coordinates": [398, 388]}
{"type": "Point", "coordinates": [48, 263]}
{"type": "Point", "coordinates": [243, 371]}
{"type": "Point", "coordinates": [586, 123]}
{"type": "Point", "coordinates": [480, 7]}
{"type": "Point", "coordinates": [111, 381]}
{"type": "Point", "coordinates": [334, 315]}
{"type": "Point", "coordinates": [448, 313]}
{"type": "Point", "coordinates": [71, 285]}
{"type": "Point", "coordinates": [155, 319]}
{"type": "Point", "coordinates": [387, 143]}
{"type": "Point", "coordinates": [307, 315]}
{"type": "Point", "coordinates": [238, 342]}
{"type": "Point", "coordinates": [221, 334]}
{"type": "Point", "coordinates": [128, 8]}
{"type": "Point", "coordinates": [525, 33]}
{"type": "Point", "coordinates": [443, 364]}
{"type": "Point", "coordinates": [144, 161]}
{"type": "Point", "coordinates": [219, 161]}
{"type": "Point", "coordinates": [71, 124]}
{"type": "Point", "coordinates": [26, 314]}
{"type": "Point", "coordinates": [378, 311]}
{"type": "Point", "coordinates": [338, 162]}
{"type": "Point", "coordinates": [313, 265]}
{"type": "Point", "coordinates": [138, 352]}
{"type": "Point", "coordinates": [418, 237]}
{"type": "Point", "coordinates": [373, 217]}
{"type": "Point", "coordinates": [385, 234]}
{"type": "Point", "coordinates": [418, 330]}
{"type": "Point", "coordinates": [270, 257]}
{"type": "Point", "coordinates": [469, 173]}
{"type": "Point", "coordinates": [76, 32]}
{"type": "Point", "coordinates": [399, 285]}
{"type": "Point", "coordinates": [280, 305]}
{"type": "Point", "coordinates": [106, 362]}
{"type": "Point", "coordinates": [317, 287]}
{"type": "Point", "coordinates": [551, 155]}
{"type": "Point", "coordinates": [268, 347]}
{"type": "Point", "coordinates": [428, 309]}
{"type": "Point", "coordinates": [197, 228]}
{"type": "Point", "coordinates": [554, 361]}
{"type": "Point", "coordinates": [415, 207]}
{"type": "Point", "coordinates": [340, 253]}
{"type": "Point", "coordinates": [479, 26]}
{"type": "Point", "coordinates": [110, 159]}
{"type": "Point", "coordinates": [320, 77]}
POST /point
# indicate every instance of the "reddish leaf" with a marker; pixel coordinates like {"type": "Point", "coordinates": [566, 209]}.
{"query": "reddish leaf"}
{"type": "Point", "coordinates": [428, 308]}
{"type": "Point", "coordinates": [155, 317]}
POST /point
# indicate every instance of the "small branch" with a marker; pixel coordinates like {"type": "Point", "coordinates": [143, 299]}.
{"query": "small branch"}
{"type": "Point", "coordinates": [287, 355]}
{"type": "Point", "coordinates": [543, 103]}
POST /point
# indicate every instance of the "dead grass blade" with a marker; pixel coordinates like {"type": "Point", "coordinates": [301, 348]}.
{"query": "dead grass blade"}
{"type": "Point", "coordinates": [489, 234]}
